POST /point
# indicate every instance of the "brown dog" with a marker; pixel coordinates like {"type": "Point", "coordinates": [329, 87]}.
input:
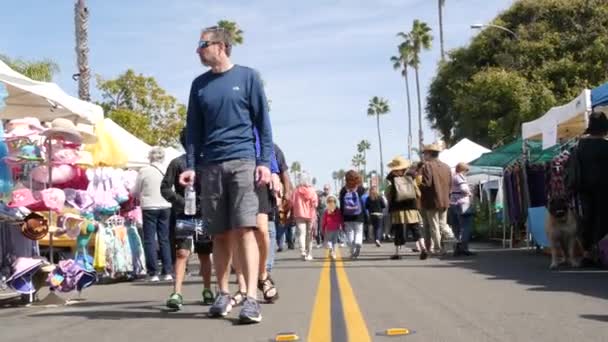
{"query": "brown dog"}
{"type": "Point", "coordinates": [560, 226]}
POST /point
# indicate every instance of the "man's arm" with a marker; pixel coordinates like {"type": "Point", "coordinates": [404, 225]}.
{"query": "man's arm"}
{"type": "Point", "coordinates": [261, 119]}
{"type": "Point", "coordinates": [427, 177]}
{"type": "Point", "coordinates": [167, 189]}
{"type": "Point", "coordinates": [195, 126]}
{"type": "Point", "coordinates": [283, 171]}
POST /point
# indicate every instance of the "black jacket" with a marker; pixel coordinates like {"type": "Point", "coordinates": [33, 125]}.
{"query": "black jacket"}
{"type": "Point", "coordinates": [172, 190]}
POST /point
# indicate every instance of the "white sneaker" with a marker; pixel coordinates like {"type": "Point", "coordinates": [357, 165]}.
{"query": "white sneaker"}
{"type": "Point", "coordinates": [167, 277]}
{"type": "Point", "coordinates": [304, 257]}
{"type": "Point", "coordinates": [333, 255]}
{"type": "Point", "coordinates": [153, 279]}
{"type": "Point", "coordinates": [308, 257]}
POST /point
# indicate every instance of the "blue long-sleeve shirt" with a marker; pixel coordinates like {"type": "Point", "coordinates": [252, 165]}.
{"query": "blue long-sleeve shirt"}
{"type": "Point", "coordinates": [223, 109]}
{"type": "Point", "coordinates": [274, 164]}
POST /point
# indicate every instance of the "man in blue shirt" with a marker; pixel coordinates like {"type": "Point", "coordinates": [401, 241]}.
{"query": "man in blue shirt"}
{"type": "Point", "coordinates": [225, 104]}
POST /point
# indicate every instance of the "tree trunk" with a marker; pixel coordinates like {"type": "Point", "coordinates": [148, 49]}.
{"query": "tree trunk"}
{"type": "Point", "coordinates": [441, 4]}
{"type": "Point", "coordinates": [380, 146]}
{"type": "Point", "coordinates": [81, 21]}
{"type": "Point", "coordinates": [409, 114]}
{"type": "Point", "coordinates": [364, 166]}
{"type": "Point", "coordinates": [420, 133]}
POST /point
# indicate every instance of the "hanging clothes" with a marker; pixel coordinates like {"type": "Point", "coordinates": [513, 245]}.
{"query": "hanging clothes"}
{"type": "Point", "coordinates": [536, 185]}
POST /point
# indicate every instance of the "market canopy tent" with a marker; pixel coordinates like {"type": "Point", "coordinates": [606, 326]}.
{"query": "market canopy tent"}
{"type": "Point", "coordinates": [505, 155]}
{"type": "Point", "coordinates": [563, 122]}
{"type": "Point", "coordinates": [464, 151]}
{"type": "Point", "coordinates": [599, 96]}
{"type": "Point", "coordinates": [43, 100]}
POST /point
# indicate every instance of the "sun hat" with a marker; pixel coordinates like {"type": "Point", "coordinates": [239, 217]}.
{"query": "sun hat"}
{"type": "Point", "coordinates": [23, 127]}
{"type": "Point", "coordinates": [79, 199]}
{"type": "Point", "coordinates": [87, 132]}
{"type": "Point", "coordinates": [432, 148]}
{"type": "Point", "coordinates": [60, 174]}
{"type": "Point", "coordinates": [25, 153]}
{"type": "Point", "coordinates": [24, 269]}
{"type": "Point", "coordinates": [34, 227]}
{"type": "Point", "coordinates": [52, 199]}
{"type": "Point", "coordinates": [63, 129]}
{"type": "Point", "coordinates": [65, 156]}
{"type": "Point", "coordinates": [399, 163]}
{"type": "Point", "coordinates": [70, 225]}
{"type": "Point", "coordinates": [22, 198]}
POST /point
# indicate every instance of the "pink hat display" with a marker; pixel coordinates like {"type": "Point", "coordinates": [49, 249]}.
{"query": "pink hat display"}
{"type": "Point", "coordinates": [23, 127]}
{"type": "Point", "coordinates": [53, 199]}
{"type": "Point", "coordinates": [63, 129]}
{"type": "Point", "coordinates": [22, 198]}
{"type": "Point", "coordinates": [79, 199]}
{"type": "Point", "coordinates": [60, 174]}
{"type": "Point", "coordinates": [24, 269]}
{"type": "Point", "coordinates": [65, 156]}
{"type": "Point", "coordinates": [49, 199]}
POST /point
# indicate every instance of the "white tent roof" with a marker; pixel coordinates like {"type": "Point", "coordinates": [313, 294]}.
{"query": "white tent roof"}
{"type": "Point", "coordinates": [464, 151]}
{"type": "Point", "coordinates": [563, 122]}
{"type": "Point", "coordinates": [43, 100]}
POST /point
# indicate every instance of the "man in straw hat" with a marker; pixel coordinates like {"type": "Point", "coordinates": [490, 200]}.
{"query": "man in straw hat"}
{"type": "Point", "coordinates": [435, 187]}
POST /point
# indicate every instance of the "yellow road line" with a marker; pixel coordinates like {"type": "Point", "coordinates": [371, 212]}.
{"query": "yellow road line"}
{"type": "Point", "coordinates": [355, 324]}
{"type": "Point", "coordinates": [320, 324]}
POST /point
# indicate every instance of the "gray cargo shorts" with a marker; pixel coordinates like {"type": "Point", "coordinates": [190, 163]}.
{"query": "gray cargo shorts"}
{"type": "Point", "coordinates": [228, 196]}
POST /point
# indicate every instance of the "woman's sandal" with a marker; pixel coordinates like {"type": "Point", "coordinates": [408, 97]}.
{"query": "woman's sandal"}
{"type": "Point", "coordinates": [268, 290]}
{"type": "Point", "coordinates": [238, 298]}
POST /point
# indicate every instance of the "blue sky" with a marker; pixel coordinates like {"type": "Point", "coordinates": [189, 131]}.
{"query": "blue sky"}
{"type": "Point", "coordinates": [321, 60]}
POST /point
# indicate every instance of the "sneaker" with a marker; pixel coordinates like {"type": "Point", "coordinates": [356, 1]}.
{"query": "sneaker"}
{"type": "Point", "coordinates": [167, 277]}
{"type": "Point", "coordinates": [208, 297]}
{"type": "Point", "coordinates": [304, 256]}
{"type": "Point", "coordinates": [378, 244]}
{"type": "Point", "coordinates": [424, 255]}
{"type": "Point", "coordinates": [396, 257]}
{"type": "Point", "coordinates": [221, 307]}
{"type": "Point", "coordinates": [251, 312]}
{"type": "Point", "coordinates": [153, 279]}
{"type": "Point", "coordinates": [175, 301]}
{"type": "Point", "coordinates": [308, 257]}
{"type": "Point", "coordinates": [332, 254]}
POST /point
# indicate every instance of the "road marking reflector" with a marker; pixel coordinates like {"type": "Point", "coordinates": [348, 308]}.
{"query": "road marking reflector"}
{"type": "Point", "coordinates": [287, 337]}
{"type": "Point", "coordinates": [397, 332]}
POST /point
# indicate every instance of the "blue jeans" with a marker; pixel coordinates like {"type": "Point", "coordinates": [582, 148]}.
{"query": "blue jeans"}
{"type": "Point", "coordinates": [462, 226]}
{"type": "Point", "coordinates": [156, 226]}
{"type": "Point", "coordinates": [284, 234]}
{"type": "Point", "coordinates": [378, 225]}
{"type": "Point", "coordinates": [272, 234]}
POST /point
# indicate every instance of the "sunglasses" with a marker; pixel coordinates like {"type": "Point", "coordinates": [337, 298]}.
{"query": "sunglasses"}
{"type": "Point", "coordinates": [206, 43]}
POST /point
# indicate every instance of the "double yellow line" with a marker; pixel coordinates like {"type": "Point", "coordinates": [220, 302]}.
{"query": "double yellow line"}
{"type": "Point", "coordinates": [324, 313]}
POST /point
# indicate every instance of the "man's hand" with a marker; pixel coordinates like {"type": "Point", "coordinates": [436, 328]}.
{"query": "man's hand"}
{"type": "Point", "coordinates": [262, 175]}
{"type": "Point", "coordinates": [186, 178]}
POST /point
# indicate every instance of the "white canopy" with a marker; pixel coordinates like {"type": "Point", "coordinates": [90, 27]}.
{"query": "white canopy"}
{"type": "Point", "coordinates": [563, 122]}
{"type": "Point", "coordinates": [464, 151]}
{"type": "Point", "coordinates": [43, 100]}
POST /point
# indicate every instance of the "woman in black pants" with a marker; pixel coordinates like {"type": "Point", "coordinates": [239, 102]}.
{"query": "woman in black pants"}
{"type": "Point", "coordinates": [375, 206]}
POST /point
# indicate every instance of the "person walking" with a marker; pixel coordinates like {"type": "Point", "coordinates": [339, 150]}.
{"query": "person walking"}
{"type": "Point", "coordinates": [304, 205]}
{"type": "Point", "coordinates": [461, 210]}
{"type": "Point", "coordinates": [403, 195]}
{"type": "Point", "coordinates": [173, 192]}
{"type": "Point", "coordinates": [353, 211]}
{"type": "Point", "coordinates": [225, 105]}
{"type": "Point", "coordinates": [320, 211]}
{"type": "Point", "coordinates": [435, 185]}
{"type": "Point", "coordinates": [375, 207]}
{"type": "Point", "coordinates": [156, 212]}
{"type": "Point", "coordinates": [331, 225]}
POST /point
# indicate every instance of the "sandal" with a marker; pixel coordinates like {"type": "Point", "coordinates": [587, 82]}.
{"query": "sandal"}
{"type": "Point", "coordinates": [238, 298]}
{"type": "Point", "coordinates": [268, 289]}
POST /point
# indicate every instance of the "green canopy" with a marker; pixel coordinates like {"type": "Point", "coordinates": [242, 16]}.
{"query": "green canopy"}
{"type": "Point", "coordinates": [505, 155]}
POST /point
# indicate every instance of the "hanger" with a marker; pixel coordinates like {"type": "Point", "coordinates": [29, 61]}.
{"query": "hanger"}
{"type": "Point", "coordinates": [115, 221]}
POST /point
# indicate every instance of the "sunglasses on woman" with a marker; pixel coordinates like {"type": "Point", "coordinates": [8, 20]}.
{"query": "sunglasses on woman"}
{"type": "Point", "coordinates": [202, 44]}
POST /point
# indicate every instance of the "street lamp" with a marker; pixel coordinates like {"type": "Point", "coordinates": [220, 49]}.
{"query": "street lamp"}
{"type": "Point", "coordinates": [481, 26]}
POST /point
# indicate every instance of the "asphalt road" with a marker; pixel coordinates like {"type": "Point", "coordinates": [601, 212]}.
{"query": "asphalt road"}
{"type": "Point", "coordinates": [499, 295]}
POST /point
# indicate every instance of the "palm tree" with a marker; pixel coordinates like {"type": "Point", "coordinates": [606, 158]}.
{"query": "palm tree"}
{"type": "Point", "coordinates": [37, 70]}
{"type": "Point", "coordinates": [341, 175]}
{"type": "Point", "coordinates": [441, 6]}
{"type": "Point", "coordinates": [421, 39]}
{"type": "Point", "coordinates": [296, 168]}
{"type": "Point", "coordinates": [334, 176]}
{"type": "Point", "coordinates": [81, 21]}
{"type": "Point", "coordinates": [358, 161]}
{"type": "Point", "coordinates": [401, 63]}
{"type": "Point", "coordinates": [362, 147]}
{"type": "Point", "coordinates": [235, 32]}
{"type": "Point", "coordinates": [378, 106]}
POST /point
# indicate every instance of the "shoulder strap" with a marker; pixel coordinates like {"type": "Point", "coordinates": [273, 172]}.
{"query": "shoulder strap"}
{"type": "Point", "coordinates": [159, 170]}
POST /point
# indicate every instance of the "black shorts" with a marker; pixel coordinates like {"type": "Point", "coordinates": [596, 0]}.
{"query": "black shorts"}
{"type": "Point", "coordinates": [204, 247]}
{"type": "Point", "coordinates": [264, 200]}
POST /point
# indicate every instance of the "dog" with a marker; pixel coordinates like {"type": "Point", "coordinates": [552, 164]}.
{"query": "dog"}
{"type": "Point", "coordinates": [560, 226]}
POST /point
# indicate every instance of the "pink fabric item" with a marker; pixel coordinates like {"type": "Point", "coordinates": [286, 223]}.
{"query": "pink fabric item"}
{"type": "Point", "coordinates": [50, 199]}
{"type": "Point", "coordinates": [332, 221]}
{"type": "Point", "coordinates": [22, 198]}
{"type": "Point", "coordinates": [65, 156]}
{"type": "Point", "coordinates": [61, 174]}
{"type": "Point", "coordinates": [23, 127]}
{"type": "Point", "coordinates": [79, 182]}
{"type": "Point", "coordinates": [304, 201]}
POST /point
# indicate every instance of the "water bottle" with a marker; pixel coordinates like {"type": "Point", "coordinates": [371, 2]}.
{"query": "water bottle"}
{"type": "Point", "coordinates": [190, 199]}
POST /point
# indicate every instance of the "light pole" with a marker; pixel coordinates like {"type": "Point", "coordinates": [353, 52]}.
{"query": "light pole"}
{"type": "Point", "coordinates": [481, 26]}
{"type": "Point", "coordinates": [440, 5]}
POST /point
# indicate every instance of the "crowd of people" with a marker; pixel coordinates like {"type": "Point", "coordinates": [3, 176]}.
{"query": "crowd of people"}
{"type": "Point", "coordinates": [247, 208]}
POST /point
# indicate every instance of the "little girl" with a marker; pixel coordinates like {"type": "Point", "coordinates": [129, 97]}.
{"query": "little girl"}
{"type": "Point", "coordinates": [304, 207]}
{"type": "Point", "coordinates": [332, 224]}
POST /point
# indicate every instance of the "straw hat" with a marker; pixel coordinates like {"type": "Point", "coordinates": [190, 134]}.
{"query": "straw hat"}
{"type": "Point", "coordinates": [432, 148]}
{"type": "Point", "coordinates": [399, 163]}
{"type": "Point", "coordinates": [63, 129]}
{"type": "Point", "coordinates": [87, 132]}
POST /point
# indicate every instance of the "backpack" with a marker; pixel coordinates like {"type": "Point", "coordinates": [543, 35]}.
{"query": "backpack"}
{"type": "Point", "coordinates": [352, 204]}
{"type": "Point", "coordinates": [404, 189]}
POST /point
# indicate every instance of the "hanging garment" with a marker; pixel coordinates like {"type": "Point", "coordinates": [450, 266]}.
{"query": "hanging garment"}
{"type": "Point", "coordinates": [107, 151]}
{"type": "Point", "coordinates": [99, 258]}
{"type": "Point", "coordinates": [6, 178]}
{"type": "Point", "coordinates": [137, 250]}
{"type": "Point", "coordinates": [536, 185]}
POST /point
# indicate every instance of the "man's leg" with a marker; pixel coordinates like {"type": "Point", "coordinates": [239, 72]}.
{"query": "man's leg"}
{"type": "Point", "coordinates": [203, 249]}
{"type": "Point", "coordinates": [263, 241]}
{"type": "Point", "coordinates": [149, 228]}
{"type": "Point", "coordinates": [222, 254]}
{"type": "Point", "coordinates": [248, 258]}
{"type": "Point", "coordinates": [272, 235]}
{"type": "Point", "coordinates": [434, 216]}
{"type": "Point", "coordinates": [176, 301]}
{"type": "Point", "coordinates": [163, 241]}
